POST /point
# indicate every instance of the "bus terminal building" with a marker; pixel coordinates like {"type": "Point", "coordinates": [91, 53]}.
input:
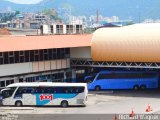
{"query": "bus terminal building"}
{"type": "Point", "coordinates": [40, 58]}
{"type": "Point", "coordinates": [62, 58]}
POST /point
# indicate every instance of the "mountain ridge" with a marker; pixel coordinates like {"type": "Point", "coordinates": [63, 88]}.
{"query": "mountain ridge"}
{"type": "Point", "coordinates": [125, 9]}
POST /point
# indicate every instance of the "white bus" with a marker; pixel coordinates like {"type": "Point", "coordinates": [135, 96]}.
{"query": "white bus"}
{"type": "Point", "coordinates": [45, 94]}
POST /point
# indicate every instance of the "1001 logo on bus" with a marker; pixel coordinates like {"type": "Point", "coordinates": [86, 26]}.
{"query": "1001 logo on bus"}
{"type": "Point", "coordinates": [46, 97]}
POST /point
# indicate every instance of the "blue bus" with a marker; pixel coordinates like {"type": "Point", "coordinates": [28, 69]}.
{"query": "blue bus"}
{"type": "Point", "coordinates": [123, 80]}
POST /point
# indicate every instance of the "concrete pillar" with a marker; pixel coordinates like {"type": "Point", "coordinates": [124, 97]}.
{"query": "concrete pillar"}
{"type": "Point", "coordinates": [16, 79]}
{"type": "Point", "coordinates": [74, 29]}
{"type": "Point", "coordinates": [64, 29]}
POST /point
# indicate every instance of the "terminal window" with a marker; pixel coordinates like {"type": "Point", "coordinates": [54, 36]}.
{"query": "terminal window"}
{"type": "Point", "coordinates": [34, 55]}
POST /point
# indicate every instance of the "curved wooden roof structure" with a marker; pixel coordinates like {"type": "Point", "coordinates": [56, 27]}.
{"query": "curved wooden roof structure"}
{"type": "Point", "coordinates": [134, 43]}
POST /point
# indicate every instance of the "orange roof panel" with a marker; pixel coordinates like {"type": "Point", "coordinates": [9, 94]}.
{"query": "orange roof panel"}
{"type": "Point", "coordinates": [19, 43]}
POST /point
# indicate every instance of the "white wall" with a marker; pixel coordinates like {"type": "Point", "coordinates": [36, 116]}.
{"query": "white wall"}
{"type": "Point", "coordinates": [11, 69]}
{"type": "Point", "coordinates": [82, 52]}
{"type": "Point", "coordinates": [45, 29]}
{"type": "Point", "coordinates": [21, 68]}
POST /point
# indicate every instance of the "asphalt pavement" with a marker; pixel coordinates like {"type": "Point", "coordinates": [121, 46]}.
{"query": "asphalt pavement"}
{"type": "Point", "coordinates": [100, 105]}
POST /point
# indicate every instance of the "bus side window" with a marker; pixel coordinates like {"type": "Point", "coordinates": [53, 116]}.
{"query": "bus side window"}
{"type": "Point", "coordinates": [48, 90]}
{"type": "Point", "coordinates": [71, 90]}
{"type": "Point", "coordinates": [74, 90]}
{"type": "Point", "coordinates": [42, 90]}
{"type": "Point", "coordinates": [29, 90]}
{"type": "Point", "coordinates": [37, 90]}
{"type": "Point", "coordinates": [33, 91]}
{"type": "Point", "coordinates": [24, 90]}
{"type": "Point", "coordinates": [102, 76]}
{"type": "Point", "coordinates": [107, 76]}
{"type": "Point", "coordinates": [66, 90]}
{"type": "Point", "coordinates": [79, 89]}
{"type": "Point", "coordinates": [55, 90]}
{"type": "Point", "coordinates": [51, 90]}
{"type": "Point", "coordinates": [59, 89]}
{"type": "Point", "coordinates": [19, 91]}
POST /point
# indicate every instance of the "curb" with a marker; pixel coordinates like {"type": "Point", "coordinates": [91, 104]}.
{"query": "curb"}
{"type": "Point", "coordinates": [13, 108]}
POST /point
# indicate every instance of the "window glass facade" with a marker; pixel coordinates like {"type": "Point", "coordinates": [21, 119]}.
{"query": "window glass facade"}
{"type": "Point", "coordinates": [50, 77]}
{"type": "Point", "coordinates": [33, 55]}
{"type": "Point", "coordinates": [6, 82]}
{"type": "Point", "coordinates": [56, 77]}
{"type": "Point", "coordinates": [79, 29]}
{"type": "Point", "coordinates": [69, 29]}
{"type": "Point", "coordinates": [59, 29]}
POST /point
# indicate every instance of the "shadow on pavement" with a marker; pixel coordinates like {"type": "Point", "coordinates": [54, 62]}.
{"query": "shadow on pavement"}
{"type": "Point", "coordinates": [152, 93]}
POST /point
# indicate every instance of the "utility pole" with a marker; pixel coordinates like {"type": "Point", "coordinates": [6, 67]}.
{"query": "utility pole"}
{"type": "Point", "coordinates": [97, 18]}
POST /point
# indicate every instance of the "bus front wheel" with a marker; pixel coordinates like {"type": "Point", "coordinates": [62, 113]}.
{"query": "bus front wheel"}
{"type": "Point", "coordinates": [97, 88]}
{"type": "Point", "coordinates": [18, 104]}
{"type": "Point", "coordinates": [64, 104]}
{"type": "Point", "coordinates": [136, 87]}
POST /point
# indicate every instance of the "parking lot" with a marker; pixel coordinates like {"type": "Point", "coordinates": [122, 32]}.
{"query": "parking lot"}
{"type": "Point", "coordinates": [106, 102]}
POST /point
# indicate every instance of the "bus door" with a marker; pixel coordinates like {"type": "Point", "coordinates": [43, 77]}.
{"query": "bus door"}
{"type": "Point", "coordinates": [7, 94]}
{"type": "Point", "coordinates": [24, 94]}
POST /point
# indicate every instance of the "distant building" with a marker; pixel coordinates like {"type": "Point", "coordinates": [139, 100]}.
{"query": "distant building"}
{"type": "Point", "coordinates": [7, 12]}
{"type": "Point", "coordinates": [3, 25]}
{"type": "Point", "coordinates": [62, 29]}
{"type": "Point", "coordinates": [101, 20]}
{"type": "Point", "coordinates": [151, 21]}
{"type": "Point", "coordinates": [77, 19]}
{"type": "Point", "coordinates": [40, 17]}
{"type": "Point", "coordinates": [29, 21]}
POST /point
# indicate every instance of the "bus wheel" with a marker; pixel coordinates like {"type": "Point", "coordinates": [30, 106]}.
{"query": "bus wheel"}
{"type": "Point", "coordinates": [143, 87]}
{"type": "Point", "coordinates": [97, 88]}
{"type": "Point", "coordinates": [136, 87]}
{"type": "Point", "coordinates": [64, 104]}
{"type": "Point", "coordinates": [18, 104]}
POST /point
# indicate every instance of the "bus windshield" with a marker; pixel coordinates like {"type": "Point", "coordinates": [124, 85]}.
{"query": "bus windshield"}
{"type": "Point", "coordinates": [6, 93]}
{"type": "Point", "coordinates": [89, 79]}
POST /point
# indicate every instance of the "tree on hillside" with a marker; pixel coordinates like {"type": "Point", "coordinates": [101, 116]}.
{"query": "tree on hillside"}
{"type": "Point", "coordinates": [9, 17]}
{"type": "Point", "coordinates": [52, 13]}
{"type": "Point", "coordinates": [17, 12]}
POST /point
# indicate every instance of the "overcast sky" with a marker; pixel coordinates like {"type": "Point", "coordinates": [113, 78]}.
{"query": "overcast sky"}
{"type": "Point", "coordinates": [25, 1]}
